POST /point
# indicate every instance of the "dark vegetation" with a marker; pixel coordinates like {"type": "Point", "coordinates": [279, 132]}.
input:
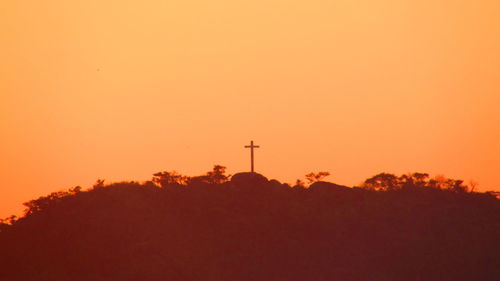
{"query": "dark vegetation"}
{"type": "Point", "coordinates": [214, 227]}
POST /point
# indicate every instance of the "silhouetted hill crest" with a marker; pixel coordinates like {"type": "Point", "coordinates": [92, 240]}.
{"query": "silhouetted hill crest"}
{"type": "Point", "coordinates": [177, 228]}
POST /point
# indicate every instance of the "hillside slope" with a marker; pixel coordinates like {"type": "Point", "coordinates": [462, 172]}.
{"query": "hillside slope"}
{"type": "Point", "coordinates": [249, 229]}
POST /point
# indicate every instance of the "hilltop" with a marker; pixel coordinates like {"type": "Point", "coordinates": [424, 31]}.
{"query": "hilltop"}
{"type": "Point", "coordinates": [246, 227]}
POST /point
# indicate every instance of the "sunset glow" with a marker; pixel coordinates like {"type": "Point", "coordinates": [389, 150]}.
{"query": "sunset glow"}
{"type": "Point", "coordinates": [119, 90]}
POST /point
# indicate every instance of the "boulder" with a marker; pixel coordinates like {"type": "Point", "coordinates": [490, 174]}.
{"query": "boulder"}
{"type": "Point", "coordinates": [248, 178]}
{"type": "Point", "coordinates": [328, 186]}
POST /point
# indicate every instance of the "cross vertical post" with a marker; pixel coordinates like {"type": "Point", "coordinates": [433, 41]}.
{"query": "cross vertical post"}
{"type": "Point", "coordinates": [251, 146]}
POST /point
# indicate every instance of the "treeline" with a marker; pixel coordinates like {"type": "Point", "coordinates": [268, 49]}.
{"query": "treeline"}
{"type": "Point", "coordinates": [246, 227]}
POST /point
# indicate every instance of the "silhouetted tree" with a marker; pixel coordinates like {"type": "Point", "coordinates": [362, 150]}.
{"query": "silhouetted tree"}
{"type": "Point", "coordinates": [310, 179]}
{"type": "Point", "coordinates": [216, 176]}
{"type": "Point", "coordinates": [45, 202]}
{"type": "Point", "coordinates": [169, 179]}
{"type": "Point", "coordinates": [299, 184]}
{"type": "Point", "coordinates": [415, 180]}
{"type": "Point", "coordinates": [382, 181]}
{"type": "Point", "coordinates": [473, 184]}
{"type": "Point", "coordinates": [98, 184]}
{"type": "Point", "coordinates": [315, 177]}
{"type": "Point", "coordinates": [5, 223]}
{"type": "Point", "coordinates": [443, 183]}
{"type": "Point", "coordinates": [388, 182]}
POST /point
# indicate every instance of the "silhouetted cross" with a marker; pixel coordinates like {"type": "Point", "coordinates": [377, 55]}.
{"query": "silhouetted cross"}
{"type": "Point", "coordinates": [251, 146]}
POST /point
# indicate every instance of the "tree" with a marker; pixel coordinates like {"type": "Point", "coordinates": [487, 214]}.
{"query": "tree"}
{"type": "Point", "coordinates": [457, 186]}
{"type": "Point", "coordinates": [382, 181]}
{"type": "Point", "coordinates": [415, 180]}
{"type": "Point", "coordinates": [443, 183]}
{"type": "Point", "coordinates": [315, 177]}
{"type": "Point", "coordinates": [216, 176]}
{"type": "Point", "coordinates": [169, 179]}
{"type": "Point", "coordinates": [473, 184]}
{"type": "Point", "coordinates": [5, 223]}
{"type": "Point", "coordinates": [46, 202]}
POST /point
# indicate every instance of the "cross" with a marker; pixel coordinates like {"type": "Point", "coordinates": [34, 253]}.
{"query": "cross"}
{"type": "Point", "coordinates": [251, 146]}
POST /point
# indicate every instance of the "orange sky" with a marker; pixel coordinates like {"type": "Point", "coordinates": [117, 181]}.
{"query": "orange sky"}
{"type": "Point", "coordinates": [122, 89]}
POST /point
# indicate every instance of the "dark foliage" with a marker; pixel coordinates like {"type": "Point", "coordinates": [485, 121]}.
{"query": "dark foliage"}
{"type": "Point", "coordinates": [248, 228]}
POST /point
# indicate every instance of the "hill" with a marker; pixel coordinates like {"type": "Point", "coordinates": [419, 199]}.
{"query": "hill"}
{"type": "Point", "coordinates": [250, 228]}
